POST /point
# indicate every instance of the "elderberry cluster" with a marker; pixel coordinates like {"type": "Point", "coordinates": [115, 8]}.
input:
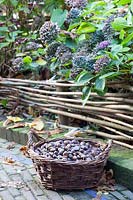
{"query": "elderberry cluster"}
{"type": "Point", "coordinates": [75, 9]}
{"type": "Point", "coordinates": [100, 63]}
{"type": "Point", "coordinates": [63, 54]}
{"type": "Point", "coordinates": [51, 50]}
{"type": "Point", "coordinates": [84, 62]}
{"type": "Point", "coordinates": [49, 32]}
{"type": "Point", "coordinates": [76, 3]}
{"type": "Point", "coordinates": [73, 14]}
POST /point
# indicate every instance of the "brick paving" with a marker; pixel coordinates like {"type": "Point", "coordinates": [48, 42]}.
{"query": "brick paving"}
{"type": "Point", "coordinates": [20, 182]}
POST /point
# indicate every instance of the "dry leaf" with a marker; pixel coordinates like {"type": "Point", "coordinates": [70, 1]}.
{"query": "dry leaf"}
{"type": "Point", "coordinates": [24, 150]}
{"type": "Point", "coordinates": [14, 119]}
{"type": "Point", "coordinates": [106, 182]}
{"type": "Point", "coordinates": [6, 122]}
{"type": "Point", "coordinates": [37, 124]}
{"type": "Point", "coordinates": [18, 125]}
{"type": "Point", "coordinates": [9, 160]}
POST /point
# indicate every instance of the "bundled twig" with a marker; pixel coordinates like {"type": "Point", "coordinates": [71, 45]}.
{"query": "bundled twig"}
{"type": "Point", "coordinates": [112, 112]}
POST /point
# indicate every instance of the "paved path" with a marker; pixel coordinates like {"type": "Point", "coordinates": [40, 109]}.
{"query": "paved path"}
{"type": "Point", "coordinates": [20, 182]}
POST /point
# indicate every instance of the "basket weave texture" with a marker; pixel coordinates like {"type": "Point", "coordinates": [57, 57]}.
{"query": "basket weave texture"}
{"type": "Point", "coordinates": [69, 175]}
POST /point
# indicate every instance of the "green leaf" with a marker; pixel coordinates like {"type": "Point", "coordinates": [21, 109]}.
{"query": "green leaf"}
{"type": "Point", "coordinates": [127, 39]}
{"type": "Point", "coordinates": [14, 3]}
{"type": "Point", "coordinates": [100, 84]}
{"type": "Point", "coordinates": [4, 102]}
{"type": "Point", "coordinates": [116, 49]}
{"type": "Point", "coordinates": [86, 94]}
{"type": "Point", "coordinates": [129, 18]}
{"type": "Point", "coordinates": [85, 78]}
{"type": "Point", "coordinates": [72, 26]}
{"type": "Point", "coordinates": [122, 33]}
{"type": "Point", "coordinates": [40, 61]}
{"type": "Point", "coordinates": [132, 6]}
{"type": "Point", "coordinates": [124, 2]}
{"type": "Point", "coordinates": [86, 27]}
{"type": "Point", "coordinates": [59, 16]}
{"type": "Point", "coordinates": [4, 29]}
{"type": "Point", "coordinates": [27, 60]}
{"type": "Point", "coordinates": [5, 44]}
{"type": "Point", "coordinates": [2, 1]}
{"type": "Point", "coordinates": [119, 23]}
{"type": "Point", "coordinates": [110, 75]}
{"type": "Point", "coordinates": [129, 56]}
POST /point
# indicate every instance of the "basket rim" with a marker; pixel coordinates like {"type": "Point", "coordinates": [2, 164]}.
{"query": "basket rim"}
{"type": "Point", "coordinates": [101, 157]}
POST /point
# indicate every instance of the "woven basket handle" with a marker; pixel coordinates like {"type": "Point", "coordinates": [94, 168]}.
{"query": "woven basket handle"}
{"type": "Point", "coordinates": [107, 148]}
{"type": "Point", "coordinates": [33, 138]}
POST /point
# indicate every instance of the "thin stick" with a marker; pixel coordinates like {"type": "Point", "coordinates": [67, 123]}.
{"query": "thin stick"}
{"type": "Point", "coordinates": [73, 106]}
{"type": "Point", "coordinates": [123, 144]}
{"type": "Point", "coordinates": [81, 117]}
{"type": "Point", "coordinates": [50, 92]}
{"type": "Point", "coordinates": [67, 99]}
{"type": "Point", "coordinates": [48, 82]}
{"type": "Point", "coordinates": [106, 135]}
{"type": "Point", "coordinates": [124, 116]}
{"type": "Point", "coordinates": [116, 121]}
{"type": "Point", "coordinates": [118, 132]}
{"type": "Point", "coordinates": [125, 107]}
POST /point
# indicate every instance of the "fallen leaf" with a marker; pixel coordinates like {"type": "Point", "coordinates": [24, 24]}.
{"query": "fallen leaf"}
{"type": "Point", "coordinates": [18, 125]}
{"type": "Point", "coordinates": [37, 124]}
{"type": "Point", "coordinates": [9, 160]}
{"type": "Point", "coordinates": [14, 119]}
{"type": "Point", "coordinates": [24, 150]}
{"type": "Point", "coordinates": [6, 122]}
{"type": "Point", "coordinates": [106, 182]}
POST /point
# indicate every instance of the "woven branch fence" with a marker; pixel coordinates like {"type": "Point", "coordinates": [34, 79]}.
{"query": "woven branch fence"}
{"type": "Point", "coordinates": [113, 112]}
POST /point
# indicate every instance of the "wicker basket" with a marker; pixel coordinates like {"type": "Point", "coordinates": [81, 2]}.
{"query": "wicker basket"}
{"type": "Point", "coordinates": [56, 174]}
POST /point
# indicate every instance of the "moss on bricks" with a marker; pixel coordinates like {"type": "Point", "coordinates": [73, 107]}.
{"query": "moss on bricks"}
{"type": "Point", "coordinates": [121, 161]}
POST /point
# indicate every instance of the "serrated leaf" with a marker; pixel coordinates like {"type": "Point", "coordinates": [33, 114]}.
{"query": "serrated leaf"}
{"type": "Point", "coordinates": [59, 16]}
{"type": "Point", "coordinates": [86, 94]}
{"type": "Point", "coordinates": [100, 84]}
{"type": "Point", "coordinates": [86, 27]}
